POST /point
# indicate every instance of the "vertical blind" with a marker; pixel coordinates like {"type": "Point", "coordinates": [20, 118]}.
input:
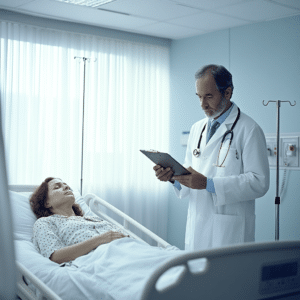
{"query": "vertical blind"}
{"type": "Point", "coordinates": [126, 109]}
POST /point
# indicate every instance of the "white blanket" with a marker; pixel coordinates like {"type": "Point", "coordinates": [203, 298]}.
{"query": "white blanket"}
{"type": "Point", "coordinates": [118, 270]}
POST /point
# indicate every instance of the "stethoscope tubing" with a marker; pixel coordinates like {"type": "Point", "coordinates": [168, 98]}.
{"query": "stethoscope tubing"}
{"type": "Point", "coordinates": [196, 152]}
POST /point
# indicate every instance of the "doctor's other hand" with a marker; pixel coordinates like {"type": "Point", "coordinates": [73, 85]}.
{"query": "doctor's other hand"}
{"type": "Point", "coordinates": [195, 180]}
{"type": "Point", "coordinates": [163, 174]}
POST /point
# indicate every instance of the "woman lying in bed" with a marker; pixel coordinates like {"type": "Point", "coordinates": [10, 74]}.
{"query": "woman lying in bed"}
{"type": "Point", "coordinates": [105, 263]}
{"type": "Point", "coordinates": [61, 232]}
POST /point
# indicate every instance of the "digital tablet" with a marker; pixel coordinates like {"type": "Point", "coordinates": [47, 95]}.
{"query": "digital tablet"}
{"type": "Point", "coordinates": [166, 160]}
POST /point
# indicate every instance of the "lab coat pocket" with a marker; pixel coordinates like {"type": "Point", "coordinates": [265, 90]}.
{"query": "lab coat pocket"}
{"type": "Point", "coordinates": [227, 230]}
{"type": "Point", "coordinates": [231, 162]}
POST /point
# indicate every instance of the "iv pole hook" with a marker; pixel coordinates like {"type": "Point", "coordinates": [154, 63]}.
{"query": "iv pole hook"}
{"type": "Point", "coordinates": [279, 101]}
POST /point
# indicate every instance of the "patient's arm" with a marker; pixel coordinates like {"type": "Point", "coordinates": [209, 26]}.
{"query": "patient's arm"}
{"type": "Point", "coordinates": [72, 252]}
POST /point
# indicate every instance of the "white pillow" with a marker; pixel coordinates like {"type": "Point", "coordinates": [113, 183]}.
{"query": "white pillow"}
{"type": "Point", "coordinates": [86, 209]}
{"type": "Point", "coordinates": [23, 216]}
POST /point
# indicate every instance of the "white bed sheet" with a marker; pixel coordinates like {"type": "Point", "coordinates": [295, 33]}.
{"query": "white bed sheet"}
{"type": "Point", "coordinates": [118, 270]}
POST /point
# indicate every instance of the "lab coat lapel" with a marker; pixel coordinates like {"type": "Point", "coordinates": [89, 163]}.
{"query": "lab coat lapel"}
{"type": "Point", "coordinates": [226, 125]}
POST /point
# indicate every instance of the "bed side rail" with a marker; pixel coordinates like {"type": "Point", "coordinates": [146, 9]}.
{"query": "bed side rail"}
{"type": "Point", "coordinates": [25, 292]}
{"type": "Point", "coordinates": [95, 203]}
{"type": "Point", "coordinates": [233, 272]}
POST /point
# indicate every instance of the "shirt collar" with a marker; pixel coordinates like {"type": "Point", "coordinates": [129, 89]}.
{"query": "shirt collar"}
{"type": "Point", "coordinates": [61, 216]}
{"type": "Point", "coordinates": [223, 117]}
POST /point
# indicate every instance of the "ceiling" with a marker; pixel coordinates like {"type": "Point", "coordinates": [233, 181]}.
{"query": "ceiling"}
{"type": "Point", "coordinates": [173, 19]}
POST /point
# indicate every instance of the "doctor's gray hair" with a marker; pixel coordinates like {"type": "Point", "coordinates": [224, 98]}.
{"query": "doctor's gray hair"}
{"type": "Point", "coordinates": [221, 75]}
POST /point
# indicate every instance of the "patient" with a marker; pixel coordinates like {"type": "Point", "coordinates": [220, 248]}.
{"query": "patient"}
{"type": "Point", "coordinates": [62, 233]}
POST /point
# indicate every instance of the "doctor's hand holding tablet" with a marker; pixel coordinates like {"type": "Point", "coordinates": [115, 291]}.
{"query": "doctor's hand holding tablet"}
{"type": "Point", "coordinates": [228, 167]}
{"type": "Point", "coordinates": [168, 169]}
{"type": "Point", "coordinates": [195, 180]}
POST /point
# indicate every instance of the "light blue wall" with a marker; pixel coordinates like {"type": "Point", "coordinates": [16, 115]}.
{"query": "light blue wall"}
{"type": "Point", "coordinates": [265, 63]}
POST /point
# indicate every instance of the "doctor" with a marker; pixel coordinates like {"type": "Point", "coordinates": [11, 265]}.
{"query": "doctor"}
{"type": "Point", "coordinates": [226, 177]}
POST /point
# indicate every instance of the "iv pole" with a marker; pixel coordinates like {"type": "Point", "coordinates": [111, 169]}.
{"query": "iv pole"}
{"type": "Point", "coordinates": [85, 59]}
{"type": "Point", "coordinates": [277, 197]}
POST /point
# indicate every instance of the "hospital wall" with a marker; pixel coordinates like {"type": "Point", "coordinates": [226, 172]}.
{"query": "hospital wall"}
{"type": "Point", "coordinates": [265, 63]}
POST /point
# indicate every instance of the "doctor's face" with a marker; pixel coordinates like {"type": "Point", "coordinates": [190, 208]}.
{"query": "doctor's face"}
{"type": "Point", "coordinates": [211, 100]}
{"type": "Point", "coordinates": [59, 194]}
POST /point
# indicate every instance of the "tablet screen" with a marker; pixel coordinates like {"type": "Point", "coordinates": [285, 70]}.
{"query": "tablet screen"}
{"type": "Point", "coordinates": [166, 160]}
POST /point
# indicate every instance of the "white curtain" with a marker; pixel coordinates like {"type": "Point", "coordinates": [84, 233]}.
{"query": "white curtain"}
{"type": "Point", "coordinates": [126, 109]}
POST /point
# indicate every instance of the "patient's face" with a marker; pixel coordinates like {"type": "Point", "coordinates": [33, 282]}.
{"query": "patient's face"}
{"type": "Point", "coordinates": [59, 194]}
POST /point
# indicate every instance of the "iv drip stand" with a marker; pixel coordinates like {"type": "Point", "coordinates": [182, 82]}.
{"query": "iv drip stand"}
{"type": "Point", "coordinates": [85, 59]}
{"type": "Point", "coordinates": [83, 99]}
{"type": "Point", "coordinates": [277, 197]}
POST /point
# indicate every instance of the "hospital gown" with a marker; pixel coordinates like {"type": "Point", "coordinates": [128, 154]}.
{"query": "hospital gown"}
{"type": "Point", "coordinates": [55, 232]}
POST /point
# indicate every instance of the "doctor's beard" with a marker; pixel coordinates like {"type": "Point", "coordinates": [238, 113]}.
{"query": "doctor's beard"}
{"type": "Point", "coordinates": [219, 110]}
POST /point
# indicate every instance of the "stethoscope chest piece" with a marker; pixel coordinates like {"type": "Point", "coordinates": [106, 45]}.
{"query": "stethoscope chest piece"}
{"type": "Point", "coordinates": [196, 152]}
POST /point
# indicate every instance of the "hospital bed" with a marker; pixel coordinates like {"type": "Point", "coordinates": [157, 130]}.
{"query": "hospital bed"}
{"type": "Point", "coordinates": [250, 271]}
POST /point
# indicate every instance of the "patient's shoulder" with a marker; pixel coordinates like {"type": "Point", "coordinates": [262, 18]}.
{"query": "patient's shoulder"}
{"type": "Point", "coordinates": [44, 222]}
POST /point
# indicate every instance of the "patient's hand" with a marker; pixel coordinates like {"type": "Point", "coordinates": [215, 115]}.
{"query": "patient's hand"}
{"type": "Point", "coordinates": [72, 252]}
{"type": "Point", "coordinates": [110, 236]}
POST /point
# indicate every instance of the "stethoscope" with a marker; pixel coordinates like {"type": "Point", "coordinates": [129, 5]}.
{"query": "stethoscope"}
{"type": "Point", "coordinates": [196, 152]}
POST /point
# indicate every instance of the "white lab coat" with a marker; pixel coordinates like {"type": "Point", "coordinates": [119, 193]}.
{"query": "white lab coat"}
{"type": "Point", "coordinates": [228, 216]}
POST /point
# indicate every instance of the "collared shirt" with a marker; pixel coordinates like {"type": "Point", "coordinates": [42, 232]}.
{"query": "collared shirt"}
{"type": "Point", "coordinates": [57, 231]}
{"type": "Point", "coordinates": [220, 120]}
{"type": "Point", "coordinates": [210, 187]}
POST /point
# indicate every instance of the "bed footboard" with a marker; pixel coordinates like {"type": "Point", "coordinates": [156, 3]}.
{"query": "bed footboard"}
{"type": "Point", "coordinates": [248, 271]}
{"type": "Point", "coordinates": [95, 203]}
